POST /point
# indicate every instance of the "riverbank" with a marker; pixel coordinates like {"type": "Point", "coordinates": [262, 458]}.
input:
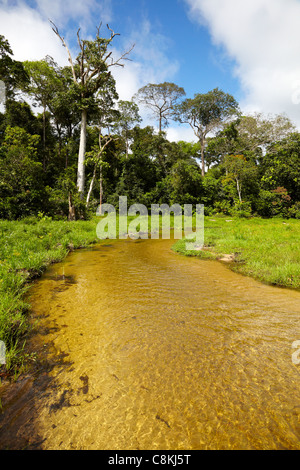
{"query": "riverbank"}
{"type": "Point", "coordinates": [265, 249]}
{"type": "Point", "coordinates": [137, 347]}
{"type": "Point", "coordinates": [27, 248]}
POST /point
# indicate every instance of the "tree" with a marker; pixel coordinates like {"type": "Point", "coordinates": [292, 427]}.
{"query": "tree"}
{"type": "Point", "coordinates": [161, 99]}
{"type": "Point", "coordinates": [19, 114]}
{"type": "Point", "coordinates": [64, 109]}
{"type": "Point", "coordinates": [95, 156]}
{"type": "Point", "coordinates": [224, 143]}
{"type": "Point", "coordinates": [259, 131]}
{"type": "Point", "coordinates": [280, 167]}
{"type": "Point", "coordinates": [249, 135]}
{"type": "Point", "coordinates": [185, 182]}
{"type": "Point", "coordinates": [240, 170]}
{"type": "Point", "coordinates": [42, 86]}
{"type": "Point", "coordinates": [205, 113]}
{"type": "Point", "coordinates": [147, 143]}
{"type": "Point", "coordinates": [256, 132]}
{"type": "Point", "coordinates": [90, 73]}
{"type": "Point", "coordinates": [22, 189]}
{"type": "Point", "coordinates": [105, 118]}
{"type": "Point", "coordinates": [128, 117]}
{"type": "Point", "coordinates": [12, 72]}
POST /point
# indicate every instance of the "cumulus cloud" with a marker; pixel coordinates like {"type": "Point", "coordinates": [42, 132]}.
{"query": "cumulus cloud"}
{"type": "Point", "coordinates": [262, 37]}
{"type": "Point", "coordinates": [30, 36]}
{"type": "Point", "coordinates": [86, 11]}
{"type": "Point", "coordinates": [25, 24]}
{"type": "Point", "coordinates": [175, 134]}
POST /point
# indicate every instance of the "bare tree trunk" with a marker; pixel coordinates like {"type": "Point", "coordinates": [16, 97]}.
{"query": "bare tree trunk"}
{"type": "Point", "coordinates": [127, 147]}
{"type": "Point", "coordinates": [101, 190]}
{"type": "Point", "coordinates": [91, 186]}
{"type": "Point", "coordinates": [44, 138]}
{"type": "Point", "coordinates": [239, 190]}
{"type": "Point", "coordinates": [81, 155]}
{"type": "Point", "coordinates": [86, 74]}
{"type": "Point", "coordinates": [202, 155]}
{"type": "Point", "coordinates": [71, 216]}
{"type": "Point", "coordinates": [102, 148]}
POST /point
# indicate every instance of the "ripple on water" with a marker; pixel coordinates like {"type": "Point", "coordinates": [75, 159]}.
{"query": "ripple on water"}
{"type": "Point", "coordinates": [165, 352]}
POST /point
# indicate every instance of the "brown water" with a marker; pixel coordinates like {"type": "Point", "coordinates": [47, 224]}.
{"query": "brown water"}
{"type": "Point", "coordinates": [152, 350]}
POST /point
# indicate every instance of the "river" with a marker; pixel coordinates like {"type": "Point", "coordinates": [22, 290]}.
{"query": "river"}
{"type": "Point", "coordinates": [146, 349]}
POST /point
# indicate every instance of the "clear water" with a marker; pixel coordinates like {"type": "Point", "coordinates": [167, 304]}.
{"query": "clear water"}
{"type": "Point", "coordinates": [152, 350]}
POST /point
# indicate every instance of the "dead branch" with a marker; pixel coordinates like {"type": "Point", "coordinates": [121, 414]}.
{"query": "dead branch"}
{"type": "Point", "coordinates": [55, 30]}
{"type": "Point", "coordinates": [113, 34]}
{"type": "Point", "coordinates": [123, 57]}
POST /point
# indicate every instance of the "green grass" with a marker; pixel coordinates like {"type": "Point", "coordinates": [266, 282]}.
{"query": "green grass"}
{"type": "Point", "coordinates": [265, 249]}
{"type": "Point", "coordinates": [26, 249]}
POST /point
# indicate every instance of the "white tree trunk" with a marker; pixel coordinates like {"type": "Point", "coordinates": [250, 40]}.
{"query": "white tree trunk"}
{"type": "Point", "coordinates": [91, 186]}
{"type": "Point", "coordinates": [239, 190]}
{"type": "Point", "coordinates": [202, 156]}
{"type": "Point", "coordinates": [81, 155]}
{"type": "Point", "coordinates": [101, 189]}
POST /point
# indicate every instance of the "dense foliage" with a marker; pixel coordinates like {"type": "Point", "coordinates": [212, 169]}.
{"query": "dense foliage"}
{"type": "Point", "coordinates": [250, 165]}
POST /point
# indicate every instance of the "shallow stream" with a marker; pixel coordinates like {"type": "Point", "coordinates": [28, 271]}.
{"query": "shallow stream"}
{"type": "Point", "coordinates": [152, 350]}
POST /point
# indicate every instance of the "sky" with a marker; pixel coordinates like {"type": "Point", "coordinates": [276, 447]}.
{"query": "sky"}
{"type": "Point", "coordinates": [248, 48]}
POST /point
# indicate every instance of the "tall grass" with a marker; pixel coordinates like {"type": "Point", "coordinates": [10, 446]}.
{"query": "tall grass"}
{"type": "Point", "coordinates": [26, 249]}
{"type": "Point", "coordinates": [266, 249]}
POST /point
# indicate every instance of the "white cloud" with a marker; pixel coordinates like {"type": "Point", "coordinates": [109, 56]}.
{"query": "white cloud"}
{"type": "Point", "coordinates": [262, 37]}
{"type": "Point", "coordinates": [29, 33]}
{"type": "Point", "coordinates": [175, 134]}
{"type": "Point", "coordinates": [87, 14]}
{"type": "Point", "coordinates": [149, 61]}
{"type": "Point", "coordinates": [28, 30]}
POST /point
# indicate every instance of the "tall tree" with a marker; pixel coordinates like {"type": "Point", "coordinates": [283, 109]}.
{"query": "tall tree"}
{"type": "Point", "coordinates": [64, 109]}
{"type": "Point", "coordinates": [240, 170]}
{"type": "Point", "coordinates": [22, 190]}
{"type": "Point", "coordinates": [42, 87]}
{"type": "Point", "coordinates": [90, 72]}
{"type": "Point", "coordinates": [161, 100]}
{"type": "Point", "coordinates": [104, 119]}
{"type": "Point", "coordinates": [205, 113]}
{"type": "Point", "coordinates": [128, 117]}
{"type": "Point", "coordinates": [12, 72]}
{"type": "Point", "coordinates": [249, 135]}
{"type": "Point", "coordinates": [280, 167]}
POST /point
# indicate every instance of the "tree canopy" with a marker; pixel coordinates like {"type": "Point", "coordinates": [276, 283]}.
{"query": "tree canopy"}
{"type": "Point", "coordinates": [68, 143]}
{"type": "Point", "coordinates": [160, 99]}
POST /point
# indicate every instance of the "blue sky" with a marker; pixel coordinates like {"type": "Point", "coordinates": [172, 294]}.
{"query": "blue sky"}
{"type": "Point", "coordinates": [248, 48]}
{"type": "Point", "coordinates": [201, 65]}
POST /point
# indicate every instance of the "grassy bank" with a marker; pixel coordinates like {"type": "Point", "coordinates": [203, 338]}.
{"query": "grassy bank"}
{"type": "Point", "coordinates": [26, 249]}
{"type": "Point", "coordinates": [267, 250]}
